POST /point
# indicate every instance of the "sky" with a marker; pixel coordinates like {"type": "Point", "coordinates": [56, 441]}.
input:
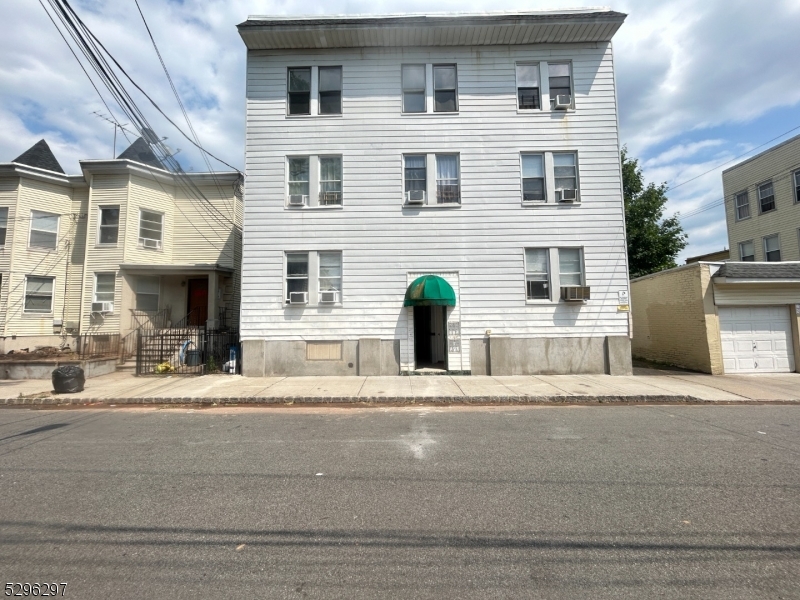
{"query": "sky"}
{"type": "Point", "coordinates": [701, 85]}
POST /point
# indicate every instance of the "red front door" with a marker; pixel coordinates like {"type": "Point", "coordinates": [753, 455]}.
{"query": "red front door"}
{"type": "Point", "coordinates": [197, 308]}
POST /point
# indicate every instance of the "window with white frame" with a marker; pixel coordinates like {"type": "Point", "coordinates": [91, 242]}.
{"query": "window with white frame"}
{"type": "Point", "coordinates": [330, 277]}
{"type": "Point", "coordinates": [108, 225]}
{"type": "Point", "coordinates": [772, 248]}
{"type": "Point", "coordinates": [537, 274]}
{"type": "Point", "coordinates": [299, 91]}
{"type": "Point", "coordinates": [330, 180]}
{"type": "Point", "coordinates": [298, 180]}
{"type": "Point", "coordinates": [766, 197]}
{"type": "Point", "coordinates": [415, 176]}
{"type": "Point", "coordinates": [445, 88]}
{"type": "Point", "coordinates": [151, 229]}
{"type": "Point", "coordinates": [533, 186]}
{"type": "Point", "coordinates": [528, 90]}
{"type": "Point", "coordinates": [560, 80]}
{"type": "Point", "coordinates": [570, 266]}
{"type": "Point", "coordinates": [38, 294]}
{"type": "Point", "coordinates": [447, 179]}
{"type": "Point", "coordinates": [747, 251]}
{"type": "Point", "coordinates": [797, 186]}
{"type": "Point", "coordinates": [413, 88]}
{"type": "Point", "coordinates": [3, 224]}
{"type": "Point", "coordinates": [147, 292]}
{"type": "Point", "coordinates": [104, 287]}
{"type": "Point", "coordinates": [44, 230]}
{"type": "Point", "coordinates": [330, 90]}
{"type": "Point", "coordinates": [296, 274]}
{"type": "Point", "coordinates": [565, 169]}
{"type": "Point", "coordinates": [742, 206]}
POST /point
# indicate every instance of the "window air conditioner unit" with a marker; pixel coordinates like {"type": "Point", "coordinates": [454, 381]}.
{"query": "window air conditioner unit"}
{"type": "Point", "coordinates": [566, 196]}
{"type": "Point", "coordinates": [148, 243]}
{"type": "Point", "coordinates": [415, 197]}
{"type": "Point", "coordinates": [102, 307]}
{"type": "Point", "coordinates": [298, 200]}
{"type": "Point", "coordinates": [329, 296]}
{"type": "Point", "coordinates": [298, 298]}
{"type": "Point", "coordinates": [563, 102]}
{"type": "Point", "coordinates": [575, 293]}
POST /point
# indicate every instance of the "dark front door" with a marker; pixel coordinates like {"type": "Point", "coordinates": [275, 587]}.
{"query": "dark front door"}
{"type": "Point", "coordinates": [430, 341]}
{"type": "Point", "coordinates": [197, 308]}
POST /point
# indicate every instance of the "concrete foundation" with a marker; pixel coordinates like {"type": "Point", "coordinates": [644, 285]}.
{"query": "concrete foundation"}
{"type": "Point", "coordinates": [618, 355]}
{"type": "Point", "coordinates": [369, 356]}
{"type": "Point", "coordinates": [390, 357]}
{"type": "Point", "coordinates": [44, 370]}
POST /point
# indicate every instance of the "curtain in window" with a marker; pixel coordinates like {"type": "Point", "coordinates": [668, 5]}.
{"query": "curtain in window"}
{"type": "Point", "coordinates": [446, 168]}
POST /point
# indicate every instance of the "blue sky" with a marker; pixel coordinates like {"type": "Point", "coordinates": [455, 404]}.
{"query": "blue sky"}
{"type": "Point", "coordinates": [698, 83]}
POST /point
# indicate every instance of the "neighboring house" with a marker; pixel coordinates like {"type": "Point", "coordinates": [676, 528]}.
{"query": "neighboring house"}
{"type": "Point", "coordinates": [719, 255]}
{"type": "Point", "coordinates": [732, 317]}
{"type": "Point", "coordinates": [762, 205]}
{"type": "Point", "coordinates": [438, 192]}
{"type": "Point", "coordinates": [124, 243]}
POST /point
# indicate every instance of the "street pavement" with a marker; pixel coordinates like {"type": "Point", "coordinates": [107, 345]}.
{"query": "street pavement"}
{"type": "Point", "coordinates": [643, 501]}
{"type": "Point", "coordinates": [646, 385]}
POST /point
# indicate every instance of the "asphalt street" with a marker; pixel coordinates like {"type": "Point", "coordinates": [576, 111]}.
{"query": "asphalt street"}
{"type": "Point", "coordinates": [432, 502]}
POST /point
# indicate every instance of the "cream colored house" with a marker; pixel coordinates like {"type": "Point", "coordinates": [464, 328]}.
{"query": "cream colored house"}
{"type": "Point", "coordinates": [762, 205]}
{"type": "Point", "coordinates": [124, 243]}
{"type": "Point", "coordinates": [733, 317]}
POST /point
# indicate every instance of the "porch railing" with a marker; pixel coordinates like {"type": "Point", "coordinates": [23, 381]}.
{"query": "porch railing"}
{"type": "Point", "coordinates": [143, 319]}
{"type": "Point", "coordinates": [98, 345]}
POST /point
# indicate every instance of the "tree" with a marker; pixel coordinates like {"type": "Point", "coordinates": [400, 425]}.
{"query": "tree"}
{"type": "Point", "coordinates": [653, 241]}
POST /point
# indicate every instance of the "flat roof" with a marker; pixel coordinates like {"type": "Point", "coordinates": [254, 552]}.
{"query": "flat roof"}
{"type": "Point", "coordinates": [431, 29]}
{"type": "Point", "coordinates": [762, 153]}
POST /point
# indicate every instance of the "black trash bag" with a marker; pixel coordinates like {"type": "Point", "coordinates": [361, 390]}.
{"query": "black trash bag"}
{"type": "Point", "coordinates": [68, 379]}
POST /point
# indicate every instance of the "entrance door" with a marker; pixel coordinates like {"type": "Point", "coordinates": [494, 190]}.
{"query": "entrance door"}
{"type": "Point", "coordinates": [430, 341]}
{"type": "Point", "coordinates": [197, 307]}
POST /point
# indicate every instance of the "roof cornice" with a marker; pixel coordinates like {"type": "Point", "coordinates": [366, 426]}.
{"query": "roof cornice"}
{"type": "Point", "coordinates": [20, 170]}
{"type": "Point", "coordinates": [129, 167]}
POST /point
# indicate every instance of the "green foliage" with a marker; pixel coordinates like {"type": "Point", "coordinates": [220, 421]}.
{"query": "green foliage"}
{"type": "Point", "coordinates": [653, 241]}
{"type": "Point", "coordinates": [211, 364]}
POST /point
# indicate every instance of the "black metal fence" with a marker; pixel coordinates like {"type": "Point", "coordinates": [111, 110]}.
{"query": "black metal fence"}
{"type": "Point", "coordinates": [97, 345]}
{"type": "Point", "coordinates": [186, 351]}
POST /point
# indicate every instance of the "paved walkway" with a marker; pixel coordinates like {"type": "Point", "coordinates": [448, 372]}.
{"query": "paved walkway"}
{"type": "Point", "coordinates": [646, 385]}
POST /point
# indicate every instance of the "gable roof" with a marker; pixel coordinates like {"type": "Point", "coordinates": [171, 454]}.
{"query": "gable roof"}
{"type": "Point", "coordinates": [140, 151]}
{"type": "Point", "coordinates": [759, 270]}
{"type": "Point", "coordinates": [40, 156]}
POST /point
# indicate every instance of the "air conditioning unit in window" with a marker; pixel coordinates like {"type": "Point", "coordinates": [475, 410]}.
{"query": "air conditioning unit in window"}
{"type": "Point", "coordinates": [415, 197]}
{"type": "Point", "coordinates": [298, 297]}
{"type": "Point", "coordinates": [102, 307]}
{"type": "Point", "coordinates": [562, 102]}
{"type": "Point", "coordinates": [566, 196]}
{"type": "Point", "coordinates": [298, 200]}
{"type": "Point", "coordinates": [575, 293]}
{"type": "Point", "coordinates": [148, 243]}
{"type": "Point", "coordinates": [329, 296]}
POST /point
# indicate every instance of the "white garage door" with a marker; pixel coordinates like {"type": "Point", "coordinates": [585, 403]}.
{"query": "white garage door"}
{"type": "Point", "coordinates": [756, 339]}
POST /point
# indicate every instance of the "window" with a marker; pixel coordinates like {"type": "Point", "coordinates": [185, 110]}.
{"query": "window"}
{"type": "Point", "coordinates": [38, 294]}
{"type": "Point", "coordinates": [528, 87]}
{"type": "Point", "coordinates": [766, 197]}
{"type": "Point", "coordinates": [772, 248]}
{"type": "Point", "coordinates": [330, 180]}
{"type": "Point", "coordinates": [415, 173]}
{"type": "Point", "coordinates": [533, 178]}
{"type": "Point", "coordinates": [413, 88]}
{"type": "Point", "coordinates": [44, 230]}
{"type": "Point", "coordinates": [742, 206]}
{"type": "Point", "coordinates": [560, 82]}
{"type": "Point", "coordinates": [566, 173]}
{"type": "Point", "coordinates": [108, 228]}
{"type": "Point", "coordinates": [447, 188]}
{"type": "Point", "coordinates": [300, 91]}
{"type": "Point", "coordinates": [444, 88]}
{"type": "Point", "coordinates": [570, 266]}
{"type": "Point", "coordinates": [797, 186]}
{"type": "Point", "coordinates": [537, 274]}
{"type": "Point", "coordinates": [330, 272]}
{"type": "Point", "coordinates": [104, 285]}
{"type": "Point", "coordinates": [296, 273]}
{"type": "Point", "coordinates": [147, 289]}
{"type": "Point", "coordinates": [151, 226]}
{"type": "Point", "coordinates": [3, 225]}
{"type": "Point", "coordinates": [747, 251]}
{"type": "Point", "coordinates": [330, 90]}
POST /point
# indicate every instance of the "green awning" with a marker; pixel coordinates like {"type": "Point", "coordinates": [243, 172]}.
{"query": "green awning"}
{"type": "Point", "coordinates": [430, 290]}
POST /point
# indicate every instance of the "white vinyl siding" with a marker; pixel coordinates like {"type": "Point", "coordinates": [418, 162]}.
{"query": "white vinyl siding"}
{"type": "Point", "coordinates": [44, 230]}
{"type": "Point", "coordinates": [39, 294]}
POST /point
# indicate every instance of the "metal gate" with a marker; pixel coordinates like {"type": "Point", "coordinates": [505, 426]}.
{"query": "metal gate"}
{"type": "Point", "coordinates": [184, 351]}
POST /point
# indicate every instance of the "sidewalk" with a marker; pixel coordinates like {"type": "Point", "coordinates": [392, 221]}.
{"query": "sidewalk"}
{"type": "Point", "coordinates": [646, 385]}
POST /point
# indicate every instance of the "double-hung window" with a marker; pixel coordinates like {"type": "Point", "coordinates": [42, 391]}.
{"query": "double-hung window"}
{"type": "Point", "coordinates": [445, 88]}
{"type": "Point", "coordinates": [766, 197]}
{"type": "Point", "coordinates": [566, 175]}
{"type": "Point", "coordinates": [537, 274]}
{"type": "Point", "coordinates": [44, 230]}
{"type": "Point", "coordinates": [38, 294]}
{"type": "Point", "coordinates": [560, 82]}
{"type": "Point", "coordinates": [299, 91]}
{"type": "Point", "coordinates": [296, 274]}
{"type": "Point", "coordinates": [330, 90]}
{"type": "Point", "coordinates": [330, 276]}
{"type": "Point", "coordinates": [104, 286]}
{"type": "Point", "coordinates": [742, 206]}
{"type": "Point", "coordinates": [772, 248]}
{"type": "Point", "coordinates": [747, 251]}
{"type": "Point", "coordinates": [528, 96]}
{"type": "Point", "coordinates": [415, 175]}
{"type": "Point", "coordinates": [330, 180]}
{"type": "Point", "coordinates": [797, 186]}
{"type": "Point", "coordinates": [570, 266]}
{"type": "Point", "coordinates": [108, 225]}
{"type": "Point", "coordinates": [298, 180]}
{"type": "Point", "coordinates": [413, 88]}
{"type": "Point", "coordinates": [3, 225]}
{"type": "Point", "coordinates": [533, 188]}
{"type": "Point", "coordinates": [151, 229]}
{"type": "Point", "coordinates": [147, 291]}
{"type": "Point", "coordinates": [447, 180]}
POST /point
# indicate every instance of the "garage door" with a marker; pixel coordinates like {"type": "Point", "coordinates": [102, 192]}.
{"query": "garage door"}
{"type": "Point", "coordinates": [756, 339]}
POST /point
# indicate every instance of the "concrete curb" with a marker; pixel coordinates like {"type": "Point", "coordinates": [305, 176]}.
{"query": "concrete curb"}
{"type": "Point", "coordinates": [65, 400]}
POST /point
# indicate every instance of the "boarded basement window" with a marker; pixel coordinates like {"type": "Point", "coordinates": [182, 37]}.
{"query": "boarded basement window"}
{"type": "Point", "coordinates": [323, 350]}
